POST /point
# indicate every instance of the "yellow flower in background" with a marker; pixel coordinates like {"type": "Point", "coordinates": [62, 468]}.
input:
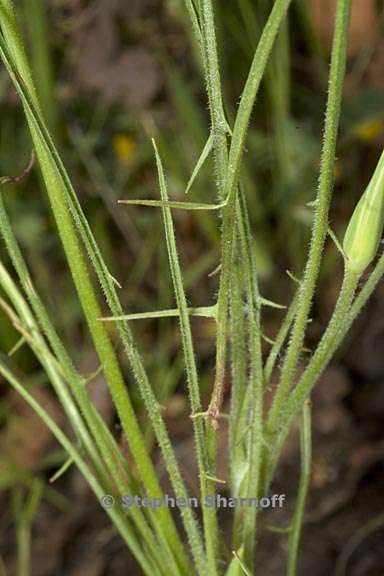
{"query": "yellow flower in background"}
{"type": "Point", "coordinates": [125, 148]}
{"type": "Point", "coordinates": [337, 171]}
{"type": "Point", "coordinates": [370, 129]}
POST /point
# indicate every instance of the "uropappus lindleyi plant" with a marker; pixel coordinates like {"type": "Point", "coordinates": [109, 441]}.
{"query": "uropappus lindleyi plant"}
{"type": "Point", "coordinates": [256, 437]}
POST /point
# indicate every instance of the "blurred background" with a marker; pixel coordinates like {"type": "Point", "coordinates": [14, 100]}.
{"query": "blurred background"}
{"type": "Point", "coordinates": [111, 74]}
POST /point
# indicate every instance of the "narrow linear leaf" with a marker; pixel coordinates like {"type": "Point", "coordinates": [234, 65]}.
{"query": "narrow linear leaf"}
{"type": "Point", "coordinates": [336, 242]}
{"type": "Point", "coordinates": [271, 304]}
{"type": "Point", "coordinates": [200, 163]}
{"type": "Point", "coordinates": [63, 197]}
{"type": "Point", "coordinates": [62, 470]}
{"type": "Point", "coordinates": [168, 204]}
{"type": "Point", "coordinates": [204, 311]}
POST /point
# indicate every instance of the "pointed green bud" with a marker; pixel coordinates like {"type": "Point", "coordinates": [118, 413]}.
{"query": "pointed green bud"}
{"type": "Point", "coordinates": [365, 228]}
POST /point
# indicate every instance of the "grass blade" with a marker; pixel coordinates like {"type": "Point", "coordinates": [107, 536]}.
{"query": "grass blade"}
{"type": "Point", "coordinates": [200, 163]}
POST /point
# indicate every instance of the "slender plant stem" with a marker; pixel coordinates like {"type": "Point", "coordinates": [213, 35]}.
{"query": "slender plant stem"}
{"type": "Point", "coordinates": [304, 483]}
{"type": "Point", "coordinates": [280, 339]}
{"type": "Point", "coordinates": [247, 101]}
{"type": "Point", "coordinates": [228, 188]}
{"type": "Point", "coordinates": [23, 549]}
{"type": "Point", "coordinates": [66, 400]}
{"type": "Point", "coordinates": [24, 521]}
{"type": "Point", "coordinates": [346, 323]}
{"type": "Point", "coordinates": [358, 304]}
{"type": "Point", "coordinates": [118, 519]}
{"type": "Point", "coordinates": [214, 90]}
{"type": "Point", "coordinates": [239, 369]}
{"type": "Point", "coordinates": [362, 298]}
{"type": "Point", "coordinates": [114, 471]}
{"type": "Point", "coordinates": [193, 13]}
{"type": "Point", "coordinates": [75, 381]}
{"type": "Point", "coordinates": [313, 371]}
{"type": "Point", "coordinates": [255, 448]}
{"type": "Point", "coordinates": [219, 130]}
{"type": "Point", "coordinates": [255, 416]}
{"type": "Point", "coordinates": [59, 187]}
{"type": "Point", "coordinates": [320, 226]}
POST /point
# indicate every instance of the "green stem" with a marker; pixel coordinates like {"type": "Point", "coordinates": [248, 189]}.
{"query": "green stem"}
{"type": "Point", "coordinates": [239, 368]}
{"type": "Point", "coordinates": [227, 189]}
{"type": "Point", "coordinates": [66, 400]}
{"type": "Point", "coordinates": [214, 90]}
{"type": "Point", "coordinates": [346, 323]}
{"type": "Point", "coordinates": [114, 473]}
{"type": "Point", "coordinates": [74, 379]}
{"type": "Point", "coordinates": [280, 339]}
{"type": "Point", "coordinates": [58, 187]}
{"type": "Point", "coordinates": [255, 408]}
{"type": "Point", "coordinates": [25, 513]}
{"type": "Point", "coordinates": [305, 478]}
{"type": "Point", "coordinates": [236, 151]}
{"type": "Point", "coordinates": [117, 518]}
{"type": "Point", "coordinates": [362, 298]}
{"type": "Point", "coordinates": [320, 359]}
{"type": "Point", "coordinates": [320, 226]}
{"type": "Point", "coordinates": [219, 129]}
{"type": "Point", "coordinates": [351, 314]}
{"type": "Point", "coordinates": [219, 144]}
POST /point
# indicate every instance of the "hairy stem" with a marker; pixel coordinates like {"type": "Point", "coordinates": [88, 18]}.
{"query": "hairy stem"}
{"type": "Point", "coordinates": [305, 478]}
{"type": "Point", "coordinates": [320, 226]}
{"type": "Point", "coordinates": [311, 374]}
{"type": "Point", "coordinates": [243, 116]}
{"type": "Point", "coordinates": [58, 187]}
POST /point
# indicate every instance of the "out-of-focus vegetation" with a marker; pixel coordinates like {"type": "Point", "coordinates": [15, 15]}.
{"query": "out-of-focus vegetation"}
{"type": "Point", "coordinates": [113, 75]}
{"type": "Point", "coordinates": [114, 79]}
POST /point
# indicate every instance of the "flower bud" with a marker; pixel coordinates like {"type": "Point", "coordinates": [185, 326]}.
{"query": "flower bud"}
{"type": "Point", "coordinates": [365, 228]}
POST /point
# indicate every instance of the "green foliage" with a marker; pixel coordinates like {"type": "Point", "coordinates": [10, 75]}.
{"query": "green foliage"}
{"type": "Point", "coordinates": [256, 440]}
